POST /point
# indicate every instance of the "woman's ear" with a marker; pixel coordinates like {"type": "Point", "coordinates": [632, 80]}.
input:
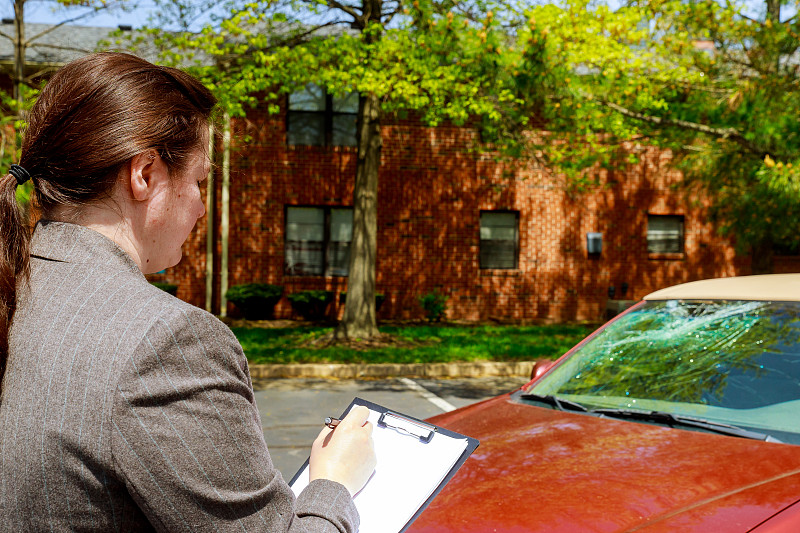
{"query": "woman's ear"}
{"type": "Point", "coordinates": [147, 171]}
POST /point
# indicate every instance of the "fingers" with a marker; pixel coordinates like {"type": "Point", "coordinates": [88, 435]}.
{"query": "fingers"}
{"type": "Point", "coordinates": [345, 454]}
{"type": "Point", "coordinates": [356, 418]}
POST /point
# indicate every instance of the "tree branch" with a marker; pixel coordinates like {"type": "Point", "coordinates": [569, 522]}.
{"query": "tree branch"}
{"type": "Point", "coordinates": [41, 72]}
{"type": "Point", "coordinates": [59, 47]}
{"type": "Point", "coordinates": [389, 15]}
{"type": "Point", "coordinates": [751, 19]}
{"type": "Point", "coordinates": [347, 9]}
{"type": "Point", "coordinates": [292, 40]}
{"type": "Point", "coordinates": [73, 19]}
{"type": "Point", "coordinates": [58, 25]}
{"type": "Point", "coordinates": [301, 37]}
{"type": "Point", "coordinates": [721, 133]}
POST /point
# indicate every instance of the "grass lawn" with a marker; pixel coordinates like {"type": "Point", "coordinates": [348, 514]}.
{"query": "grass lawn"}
{"type": "Point", "coordinates": [411, 344]}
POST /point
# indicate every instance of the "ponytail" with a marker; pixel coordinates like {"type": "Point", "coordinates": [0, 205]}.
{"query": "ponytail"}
{"type": "Point", "coordinates": [15, 239]}
{"type": "Point", "coordinates": [92, 117]}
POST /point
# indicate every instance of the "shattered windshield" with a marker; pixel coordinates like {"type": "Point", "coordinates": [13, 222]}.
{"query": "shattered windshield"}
{"type": "Point", "coordinates": [734, 362]}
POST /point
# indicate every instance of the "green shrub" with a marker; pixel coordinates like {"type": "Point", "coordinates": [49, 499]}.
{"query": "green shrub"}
{"type": "Point", "coordinates": [171, 288]}
{"type": "Point", "coordinates": [310, 305]}
{"type": "Point", "coordinates": [435, 304]}
{"type": "Point", "coordinates": [379, 299]}
{"type": "Point", "coordinates": [256, 301]}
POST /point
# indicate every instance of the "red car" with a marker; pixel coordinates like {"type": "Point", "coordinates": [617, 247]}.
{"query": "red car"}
{"type": "Point", "coordinates": [680, 415]}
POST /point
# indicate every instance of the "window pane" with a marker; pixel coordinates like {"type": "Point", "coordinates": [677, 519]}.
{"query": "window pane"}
{"type": "Point", "coordinates": [306, 129]}
{"type": "Point", "coordinates": [312, 98]}
{"type": "Point", "coordinates": [341, 225]}
{"type": "Point", "coordinates": [344, 130]}
{"type": "Point", "coordinates": [664, 234]}
{"type": "Point", "coordinates": [338, 258]}
{"type": "Point", "coordinates": [312, 248]}
{"type": "Point", "coordinates": [498, 234]}
{"type": "Point", "coordinates": [494, 233]}
{"type": "Point", "coordinates": [498, 254]}
{"type": "Point", "coordinates": [305, 230]}
{"type": "Point", "coordinates": [498, 226]}
{"type": "Point", "coordinates": [339, 245]}
{"type": "Point", "coordinates": [305, 224]}
{"type": "Point", "coordinates": [304, 258]}
{"type": "Point", "coordinates": [346, 104]}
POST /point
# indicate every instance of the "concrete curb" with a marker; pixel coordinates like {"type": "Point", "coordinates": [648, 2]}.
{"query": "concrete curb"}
{"type": "Point", "coordinates": [420, 370]}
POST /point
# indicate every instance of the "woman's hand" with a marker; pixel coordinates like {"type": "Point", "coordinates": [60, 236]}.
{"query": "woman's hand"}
{"type": "Point", "coordinates": [345, 454]}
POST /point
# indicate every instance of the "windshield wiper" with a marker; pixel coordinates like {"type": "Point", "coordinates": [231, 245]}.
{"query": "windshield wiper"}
{"type": "Point", "coordinates": [671, 420]}
{"type": "Point", "coordinates": [559, 403]}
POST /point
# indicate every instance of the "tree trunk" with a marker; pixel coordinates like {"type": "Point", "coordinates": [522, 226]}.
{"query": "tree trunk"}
{"type": "Point", "coordinates": [359, 310]}
{"type": "Point", "coordinates": [210, 225]}
{"type": "Point", "coordinates": [19, 50]}
{"type": "Point", "coordinates": [762, 258]}
{"type": "Point", "coordinates": [774, 11]}
{"type": "Point", "coordinates": [225, 214]}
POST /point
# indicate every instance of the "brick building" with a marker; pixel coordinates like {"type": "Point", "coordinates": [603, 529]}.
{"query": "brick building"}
{"type": "Point", "coordinates": [503, 242]}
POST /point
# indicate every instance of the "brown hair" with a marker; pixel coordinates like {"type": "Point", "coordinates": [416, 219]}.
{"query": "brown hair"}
{"type": "Point", "coordinates": [92, 117]}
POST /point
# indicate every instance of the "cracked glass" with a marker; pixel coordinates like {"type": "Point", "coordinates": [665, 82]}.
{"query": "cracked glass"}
{"type": "Point", "coordinates": [733, 362]}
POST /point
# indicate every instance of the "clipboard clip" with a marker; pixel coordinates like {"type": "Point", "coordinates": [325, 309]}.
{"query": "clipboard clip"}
{"type": "Point", "coordinates": [424, 432]}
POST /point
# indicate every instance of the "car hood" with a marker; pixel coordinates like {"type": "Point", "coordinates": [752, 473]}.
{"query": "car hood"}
{"type": "Point", "coordinates": [538, 469]}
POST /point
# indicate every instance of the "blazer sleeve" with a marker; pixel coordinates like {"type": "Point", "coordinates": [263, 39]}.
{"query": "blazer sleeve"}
{"type": "Point", "coordinates": [187, 439]}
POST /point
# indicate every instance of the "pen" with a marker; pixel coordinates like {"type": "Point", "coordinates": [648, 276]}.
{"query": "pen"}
{"type": "Point", "coordinates": [331, 422]}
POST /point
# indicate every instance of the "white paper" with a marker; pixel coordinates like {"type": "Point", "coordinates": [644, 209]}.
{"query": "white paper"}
{"type": "Point", "coordinates": [408, 471]}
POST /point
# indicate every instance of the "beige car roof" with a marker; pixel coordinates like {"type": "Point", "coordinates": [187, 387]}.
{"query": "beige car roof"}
{"type": "Point", "coordinates": [772, 287]}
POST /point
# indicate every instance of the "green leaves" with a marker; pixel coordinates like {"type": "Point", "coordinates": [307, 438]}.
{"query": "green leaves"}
{"type": "Point", "coordinates": [440, 61]}
{"type": "Point", "coordinates": [709, 81]}
{"type": "Point", "coordinates": [567, 83]}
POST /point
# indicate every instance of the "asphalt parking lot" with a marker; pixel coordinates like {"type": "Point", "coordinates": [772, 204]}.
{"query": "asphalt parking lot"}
{"type": "Point", "coordinates": [293, 410]}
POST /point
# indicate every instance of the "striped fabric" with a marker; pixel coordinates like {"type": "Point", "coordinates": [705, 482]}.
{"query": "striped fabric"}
{"type": "Point", "coordinates": [126, 409]}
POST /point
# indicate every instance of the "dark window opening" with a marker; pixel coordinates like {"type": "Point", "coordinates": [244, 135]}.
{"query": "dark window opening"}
{"type": "Point", "coordinates": [318, 241]}
{"type": "Point", "coordinates": [499, 239]}
{"type": "Point", "coordinates": [665, 234]}
{"type": "Point", "coordinates": [317, 118]}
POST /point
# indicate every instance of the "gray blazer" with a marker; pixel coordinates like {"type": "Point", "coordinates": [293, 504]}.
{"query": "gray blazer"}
{"type": "Point", "coordinates": [126, 409]}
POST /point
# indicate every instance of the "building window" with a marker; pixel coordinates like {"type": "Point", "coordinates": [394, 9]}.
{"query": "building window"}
{"type": "Point", "coordinates": [317, 118]}
{"type": "Point", "coordinates": [499, 239]}
{"type": "Point", "coordinates": [665, 234]}
{"type": "Point", "coordinates": [318, 240]}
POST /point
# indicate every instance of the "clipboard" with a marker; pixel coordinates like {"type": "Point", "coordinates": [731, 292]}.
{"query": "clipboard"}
{"type": "Point", "coordinates": [399, 438]}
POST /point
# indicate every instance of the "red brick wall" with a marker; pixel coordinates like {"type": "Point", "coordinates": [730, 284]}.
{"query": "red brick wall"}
{"type": "Point", "coordinates": [431, 192]}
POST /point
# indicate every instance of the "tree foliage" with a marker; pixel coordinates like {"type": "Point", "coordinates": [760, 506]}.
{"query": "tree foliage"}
{"type": "Point", "coordinates": [715, 82]}
{"type": "Point", "coordinates": [26, 82]}
{"type": "Point", "coordinates": [439, 60]}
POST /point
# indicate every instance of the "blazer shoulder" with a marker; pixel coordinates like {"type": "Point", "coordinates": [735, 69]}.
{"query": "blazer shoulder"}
{"type": "Point", "coordinates": [178, 329]}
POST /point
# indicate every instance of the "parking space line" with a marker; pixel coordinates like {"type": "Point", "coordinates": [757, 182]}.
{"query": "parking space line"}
{"type": "Point", "coordinates": [441, 403]}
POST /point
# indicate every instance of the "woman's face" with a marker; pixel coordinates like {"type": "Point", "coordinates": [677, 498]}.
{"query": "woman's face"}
{"type": "Point", "coordinates": [173, 214]}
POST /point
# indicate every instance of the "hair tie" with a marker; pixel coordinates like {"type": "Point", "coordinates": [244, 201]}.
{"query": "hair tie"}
{"type": "Point", "coordinates": [19, 173]}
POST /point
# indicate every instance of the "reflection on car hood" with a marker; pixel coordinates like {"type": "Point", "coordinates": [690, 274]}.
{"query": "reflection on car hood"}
{"type": "Point", "coordinates": [538, 469]}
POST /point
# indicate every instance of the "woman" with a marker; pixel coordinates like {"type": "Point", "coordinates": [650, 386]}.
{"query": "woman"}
{"type": "Point", "coordinates": [121, 407]}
